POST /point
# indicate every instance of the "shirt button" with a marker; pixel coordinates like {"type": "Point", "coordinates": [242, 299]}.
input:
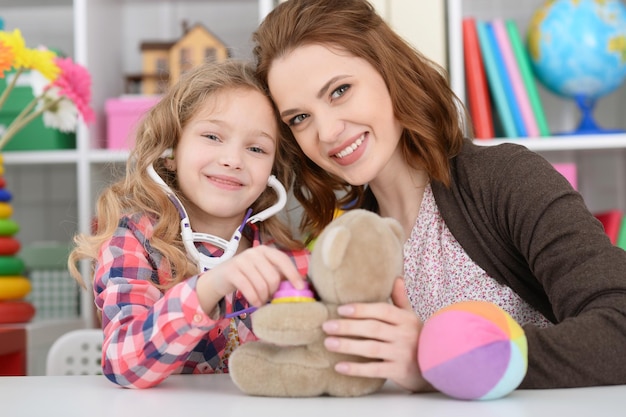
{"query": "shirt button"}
{"type": "Point", "coordinates": [197, 318]}
{"type": "Point", "coordinates": [243, 316]}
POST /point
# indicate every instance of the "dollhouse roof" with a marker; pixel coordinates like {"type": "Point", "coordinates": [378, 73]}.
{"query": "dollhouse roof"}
{"type": "Point", "coordinates": [167, 45]}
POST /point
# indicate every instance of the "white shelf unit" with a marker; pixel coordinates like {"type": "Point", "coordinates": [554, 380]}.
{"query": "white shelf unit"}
{"type": "Point", "coordinates": [600, 159]}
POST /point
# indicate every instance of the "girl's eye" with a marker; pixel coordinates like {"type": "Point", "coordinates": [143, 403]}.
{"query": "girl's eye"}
{"type": "Point", "coordinates": [340, 91]}
{"type": "Point", "coordinates": [256, 149]}
{"type": "Point", "coordinates": [211, 136]}
{"type": "Point", "coordinates": [297, 119]}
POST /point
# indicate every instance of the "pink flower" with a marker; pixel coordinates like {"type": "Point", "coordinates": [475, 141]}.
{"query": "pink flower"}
{"type": "Point", "coordinates": [74, 82]}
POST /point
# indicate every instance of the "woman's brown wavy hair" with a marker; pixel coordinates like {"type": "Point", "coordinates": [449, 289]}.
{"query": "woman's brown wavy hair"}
{"type": "Point", "coordinates": [159, 131]}
{"type": "Point", "coordinates": [426, 107]}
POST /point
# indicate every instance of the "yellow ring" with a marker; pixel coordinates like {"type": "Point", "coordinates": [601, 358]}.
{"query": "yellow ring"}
{"type": "Point", "coordinates": [14, 287]}
{"type": "Point", "coordinates": [6, 210]}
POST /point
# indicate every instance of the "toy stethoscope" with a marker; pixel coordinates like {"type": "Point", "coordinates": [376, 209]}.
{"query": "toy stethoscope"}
{"type": "Point", "coordinates": [189, 237]}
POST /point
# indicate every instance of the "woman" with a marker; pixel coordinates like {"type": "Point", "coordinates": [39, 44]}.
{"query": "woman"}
{"type": "Point", "coordinates": [371, 120]}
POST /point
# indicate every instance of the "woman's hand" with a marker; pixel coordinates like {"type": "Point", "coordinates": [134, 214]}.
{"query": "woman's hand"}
{"type": "Point", "coordinates": [256, 272]}
{"type": "Point", "coordinates": [396, 328]}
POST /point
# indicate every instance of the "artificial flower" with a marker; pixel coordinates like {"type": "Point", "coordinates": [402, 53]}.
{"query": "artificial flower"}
{"type": "Point", "coordinates": [43, 60]}
{"type": "Point", "coordinates": [63, 115]}
{"type": "Point", "coordinates": [59, 114]}
{"type": "Point", "coordinates": [74, 82]}
{"type": "Point", "coordinates": [15, 42]}
{"type": "Point", "coordinates": [6, 58]}
{"type": "Point", "coordinates": [61, 88]}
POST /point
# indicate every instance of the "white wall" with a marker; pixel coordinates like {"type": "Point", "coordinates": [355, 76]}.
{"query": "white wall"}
{"type": "Point", "coordinates": [421, 22]}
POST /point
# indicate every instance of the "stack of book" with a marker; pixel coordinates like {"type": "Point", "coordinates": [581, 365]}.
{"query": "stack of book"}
{"type": "Point", "coordinates": [503, 99]}
{"type": "Point", "coordinates": [614, 223]}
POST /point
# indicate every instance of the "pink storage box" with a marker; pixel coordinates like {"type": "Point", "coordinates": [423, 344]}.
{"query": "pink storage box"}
{"type": "Point", "coordinates": [123, 115]}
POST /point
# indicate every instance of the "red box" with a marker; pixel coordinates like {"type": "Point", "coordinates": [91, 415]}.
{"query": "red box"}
{"type": "Point", "coordinates": [12, 351]}
{"type": "Point", "coordinates": [123, 115]}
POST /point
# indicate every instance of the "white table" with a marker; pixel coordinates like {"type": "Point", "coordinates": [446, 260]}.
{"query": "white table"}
{"type": "Point", "coordinates": [216, 395]}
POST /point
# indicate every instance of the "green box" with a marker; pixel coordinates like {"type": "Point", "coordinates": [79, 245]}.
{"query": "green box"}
{"type": "Point", "coordinates": [34, 136]}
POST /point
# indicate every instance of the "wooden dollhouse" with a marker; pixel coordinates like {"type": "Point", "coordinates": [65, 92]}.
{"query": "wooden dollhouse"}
{"type": "Point", "coordinates": [164, 62]}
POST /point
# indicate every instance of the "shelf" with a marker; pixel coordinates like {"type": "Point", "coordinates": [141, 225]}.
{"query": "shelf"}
{"type": "Point", "coordinates": [35, 3]}
{"type": "Point", "coordinates": [564, 143]}
{"type": "Point", "coordinates": [69, 156]}
{"type": "Point", "coordinates": [105, 156]}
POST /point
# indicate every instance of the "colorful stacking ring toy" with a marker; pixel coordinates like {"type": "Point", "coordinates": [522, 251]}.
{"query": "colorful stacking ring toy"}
{"type": "Point", "coordinates": [11, 265]}
{"type": "Point", "coordinates": [5, 210]}
{"type": "Point", "coordinates": [16, 311]}
{"type": "Point", "coordinates": [8, 227]}
{"type": "Point", "coordinates": [13, 287]}
{"type": "Point", "coordinates": [9, 246]}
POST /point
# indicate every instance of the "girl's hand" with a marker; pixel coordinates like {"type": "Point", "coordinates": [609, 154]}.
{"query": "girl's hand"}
{"type": "Point", "coordinates": [256, 272]}
{"type": "Point", "coordinates": [396, 328]}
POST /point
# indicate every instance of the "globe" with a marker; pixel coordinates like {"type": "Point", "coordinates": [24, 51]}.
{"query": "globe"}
{"type": "Point", "coordinates": [577, 50]}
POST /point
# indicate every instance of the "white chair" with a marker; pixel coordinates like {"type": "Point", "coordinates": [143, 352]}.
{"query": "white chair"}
{"type": "Point", "coordinates": [78, 352]}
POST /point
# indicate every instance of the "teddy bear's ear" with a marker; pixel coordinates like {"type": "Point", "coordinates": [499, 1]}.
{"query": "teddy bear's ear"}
{"type": "Point", "coordinates": [334, 246]}
{"type": "Point", "coordinates": [395, 227]}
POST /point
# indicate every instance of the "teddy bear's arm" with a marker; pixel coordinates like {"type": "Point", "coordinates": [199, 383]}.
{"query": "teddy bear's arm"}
{"type": "Point", "coordinates": [290, 323]}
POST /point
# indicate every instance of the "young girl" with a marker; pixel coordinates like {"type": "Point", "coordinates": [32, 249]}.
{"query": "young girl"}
{"type": "Point", "coordinates": [374, 122]}
{"type": "Point", "coordinates": [201, 167]}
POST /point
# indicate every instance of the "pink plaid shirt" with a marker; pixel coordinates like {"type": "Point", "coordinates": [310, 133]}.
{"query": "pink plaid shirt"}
{"type": "Point", "coordinates": [150, 333]}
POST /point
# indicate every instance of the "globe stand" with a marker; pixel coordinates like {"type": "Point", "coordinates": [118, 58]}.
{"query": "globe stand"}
{"type": "Point", "coordinates": [588, 125]}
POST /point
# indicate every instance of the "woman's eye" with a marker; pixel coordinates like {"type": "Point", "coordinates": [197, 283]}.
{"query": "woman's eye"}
{"type": "Point", "coordinates": [340, 91]}
{"type": "Point", "coordinates": [297, 119]}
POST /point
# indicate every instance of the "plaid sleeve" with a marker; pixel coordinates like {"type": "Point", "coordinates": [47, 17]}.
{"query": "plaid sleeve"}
{"type": "Point", "coordinates": [148, 334]}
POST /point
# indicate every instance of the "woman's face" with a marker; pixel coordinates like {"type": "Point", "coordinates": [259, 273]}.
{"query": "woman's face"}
{"type": "Point", "coordinates": [225, 156]}
{"type": "Point", "coordinates": [339, 110]}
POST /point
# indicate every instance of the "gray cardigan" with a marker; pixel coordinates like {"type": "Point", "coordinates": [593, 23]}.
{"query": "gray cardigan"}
{"type": "Point", "coordinates": [523, 223]}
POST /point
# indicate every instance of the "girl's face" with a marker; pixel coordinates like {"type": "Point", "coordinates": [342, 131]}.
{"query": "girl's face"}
{"type": "Point", "coordinates": [224, 158]}
{"type": "Point", "coordinates": [339, 110]}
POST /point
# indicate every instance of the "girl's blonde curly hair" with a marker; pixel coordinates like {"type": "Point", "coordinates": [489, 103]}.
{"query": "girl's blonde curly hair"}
{"type": "Point", "coordinates": [159, 131]}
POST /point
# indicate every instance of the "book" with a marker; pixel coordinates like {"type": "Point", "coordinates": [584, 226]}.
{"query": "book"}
{"type": "Point", "coordinates": [569, 171]}
{"type": "Point", "coordinates": [512, 68]}
{"type": "Point", "coordinates": [621, 235]}
{"type": "Point", "coordinates": [523, 61]}
{"type": "Point", "coordinates": [495, 83]}
{"type": "Point", "coordinates": [520, 129]}
{"type": "Point", "coordinates": [612, 222]}
{"type": "Point", "coordinates": [476, 82]}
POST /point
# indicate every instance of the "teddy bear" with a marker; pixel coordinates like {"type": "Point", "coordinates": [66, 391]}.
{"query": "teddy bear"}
{"type": "Point", "coordinates": [356, 259]}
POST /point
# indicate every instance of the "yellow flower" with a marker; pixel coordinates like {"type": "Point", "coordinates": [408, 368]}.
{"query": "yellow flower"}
{"type": "Point", "coordinates": [42, 60]}
{"type": "Point", "coordinates": [25, 58]}
{"type": "Point", "coordinates": [65, 92]}
{"type": "Point", "coordinates": [15, 42]}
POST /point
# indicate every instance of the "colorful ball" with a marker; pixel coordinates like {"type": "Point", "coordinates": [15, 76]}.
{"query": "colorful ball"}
{"type": "Point", "coordinates": [473, 350]}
